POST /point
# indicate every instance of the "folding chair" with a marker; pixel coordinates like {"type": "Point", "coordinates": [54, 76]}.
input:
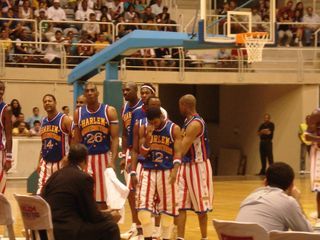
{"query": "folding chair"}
{"type": "Point", "coordinates": [288, 235]}
{"type": "Point", "coordinates": [36, 215]}
{"type": "Point", "coordinates": [6, 216]}
{"type": "Point", "coordinates": [231, 230]}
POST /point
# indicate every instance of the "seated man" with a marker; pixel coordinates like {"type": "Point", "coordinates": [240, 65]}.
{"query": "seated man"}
{"type": "Point", "coordinates": [77, 216]}
{"type": "Point", "coordinates": [275, 206]}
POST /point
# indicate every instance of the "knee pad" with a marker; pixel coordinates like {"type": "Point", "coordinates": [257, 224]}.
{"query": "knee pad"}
{"type": "Point", "coordinates": [144, 217]}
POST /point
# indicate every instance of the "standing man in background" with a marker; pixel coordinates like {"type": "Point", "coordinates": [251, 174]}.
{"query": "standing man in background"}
{"type": "Point", "coordinates": [96, 126]}
{"type": "Point", "coordinates": [6, 137]}
{"type": "Point", "coordinates": [265, 132]}
{"type": "Point", "coordinates": [55, 136]}
{"type": "Point", "coordinates": [305, 145]}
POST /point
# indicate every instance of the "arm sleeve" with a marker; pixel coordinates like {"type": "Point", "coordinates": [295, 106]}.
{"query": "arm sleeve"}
{"type": "Point", "coordinates": [295, 218]}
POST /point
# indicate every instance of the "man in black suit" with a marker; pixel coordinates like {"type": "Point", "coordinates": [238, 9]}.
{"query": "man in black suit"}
{"type": "Point", "coordinates": [69, 193]}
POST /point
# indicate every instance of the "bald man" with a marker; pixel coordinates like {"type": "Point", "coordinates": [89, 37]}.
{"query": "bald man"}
{"type": "Point", "coordinates": [81, 100]}
{"type": "Point", "coordinates": [313, 134]}
{"type": "Point", "coordinates": [195, 173]}
{"type": "Point", "coordinates": [130, 94]}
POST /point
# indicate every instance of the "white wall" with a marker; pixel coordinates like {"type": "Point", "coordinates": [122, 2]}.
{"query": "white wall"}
{"type": "Point", "coordinates": [241, 112]}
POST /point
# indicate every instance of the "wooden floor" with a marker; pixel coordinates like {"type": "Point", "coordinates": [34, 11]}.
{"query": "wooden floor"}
{"type": "Point", "coordinates": [228, 196]}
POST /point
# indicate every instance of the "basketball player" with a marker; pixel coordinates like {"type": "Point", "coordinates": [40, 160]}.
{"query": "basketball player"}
{"type": "Point", "coordinates": [195, 173]}
{"type": "Point", "coordinates": [6, 136]}
{"type": "Point", "coordinates": [81, 100]}
{"type": "Point", "coordinates": [55, 135]}
{"type": "Point", "coordinates": [130, 94]}
{"type": "Point", "coordinates": [97, 127]}
{"type": "Point", "coordinates": [313, 134]}
{"type": "Point", "coordinates": [160, 142]}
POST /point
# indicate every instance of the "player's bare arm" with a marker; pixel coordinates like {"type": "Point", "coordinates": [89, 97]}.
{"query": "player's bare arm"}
{"type": "Point", "coordinates": [134, 154]}
{"type": "Point", "coordinates": [67, 125]}
{"type": "Point", "coordinates": [76, 138]}
{"type": "Point", "coordinates": [146, 140]}
{"type": "Point", "coordinates": [8, 133]}
{"type": "Point", "coordinates": [114, 134]}
{"type": "Point", "coordinates": [176, 132]}
{"type": "Point", "coordinates": [193, 130]}
{"type": "Point", "coordinates": [124, 146]}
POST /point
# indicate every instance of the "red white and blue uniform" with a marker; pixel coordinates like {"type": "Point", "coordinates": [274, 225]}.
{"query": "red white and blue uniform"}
{"type": "Point", "coordinates": [195, 173]}
{"type": "Point", "coordinates": [315, 164]}
{"type": "Point", "coordinates": [55, 145]}
{"type": "Point", "coordinates": [3, 177]}
{"type": "Point", "coordinates": [154, 180]}
{"type": "Point", "coordinates": [95, 132]}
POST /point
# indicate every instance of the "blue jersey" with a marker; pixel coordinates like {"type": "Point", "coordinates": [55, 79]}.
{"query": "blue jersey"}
{"type": "Point", "coordinates": [95, 129]}
{"type": "Point", "coordinates": [55, 142]}
{"type": "Point", "coordinates": [199, 149]}
{"type": "Point", "coordinates": [2, 133]}
{"type": "Point", "coordinates": [126, 118]}
{"type": "Point", "coordinates": [160, 155]}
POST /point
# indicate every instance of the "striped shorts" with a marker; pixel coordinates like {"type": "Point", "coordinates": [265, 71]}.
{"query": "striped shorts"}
{"type": "Point", "coordinates": [46, 170]}
{"type": "Point", "coordinates": [155, 194]}
{"type": "Point", "coordinates": [96, 167]}
{"type": "Point", "coordinates": [195, 186]}
{"type": "Point", "coordinates": [3, 174]}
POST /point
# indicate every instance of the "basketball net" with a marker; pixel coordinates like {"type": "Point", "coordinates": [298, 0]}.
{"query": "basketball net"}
{"type": "Point", "coordinates": [254, 43]}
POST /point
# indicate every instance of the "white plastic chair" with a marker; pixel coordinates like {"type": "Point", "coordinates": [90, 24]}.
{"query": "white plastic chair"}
{"type": "Point", "coordinates": [36, 215]}
{"type": "Point", "coordinates": [288, 235]}
{"type": "Point", "coordinates": [6, 216]}
{"type": "Point", "coordinates": [231, 230]}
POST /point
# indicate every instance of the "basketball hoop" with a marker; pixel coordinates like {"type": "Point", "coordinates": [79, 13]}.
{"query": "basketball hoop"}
{"type": "Point", "coordinates": [254, 43]}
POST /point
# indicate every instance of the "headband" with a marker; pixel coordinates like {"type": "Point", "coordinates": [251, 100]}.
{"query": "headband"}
{"type": "Point", "coordinates": [149, 87]}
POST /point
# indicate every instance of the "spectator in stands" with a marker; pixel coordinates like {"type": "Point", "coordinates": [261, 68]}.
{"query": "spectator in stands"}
{"type": "Point", "coordinates": [26, 12]}
{"type": "Point", "coordinates": [19, 120]}
{"type": "Point", "coordinates": [276, 205]}
{"type": "Point", "coordinates": [148, 53]}
{"type": "Point", "coordinates": [139, 7]}
{"type": "Point", "coordinates": [35, 130]}
{"type": "Point", "coordinates": [101, 43]}
{"type": "Point", "coordinates": [35, 117]}
{"type": "Point", "coordinates": [92, 28]}
{"type": "Point", "coordinates": [15, 109]}
{"type": "Point", "coordinates": [106, 12]}
{"type": "Point", "coordinates": [297, 29]}
{"type": "Point", "coordinates": [162, 53]}
{"type": "Point", "coordinates": [55, 12]}
{"type": "Point", "coordinates": [71, 47]}
{"type": "Point", "coordinates": [90, 4]}
{"type": "Point", "coordinates": [85, 50]}
{"type": "Point", "coordinates": [127, 4]}
{"type": "Point", "coordinates": [284, 30]}
{"type": "Point", "coordinates": [223, 57]}
{"type": "Point", "coordinates": [130, 14]}
{"type": "Point", "coordinates": [14, 26]}
{"type": "Point", "coordinates": [117, 9]}
{"type": "Point", "coordinates": [83, 14]}
{"type": "Point", "coordinates": [264, 8]}
{"type": "Point", "coordinates": [288, 9]}
{"type": "Point", "coordinates": [42, 7]}
{"type": "Point", "coordinates": [6, 42]}
{"type": "Point", "coordinates": [256, 20]}
{"type": "Point", "coordinates": [105, 28]}
{"type": "Point", "coordinates": [157, 8]}
{"type": "Point", "coordinates": [299, 7]}
{"type": "Point", "coordinates": [20, 130]}
{"type": "Point", "coordinates": [5, 5]}
{"type": "Point", "coordinates": [164, 16]}
{"type": "Point", "coordinates": [148, 15]}
{"type": "Point", "coordinates": [312, 21]}
{"type": "Point", "coordinates": [53, 52]}
{"type": "Point", "coordinates": [232, 5]}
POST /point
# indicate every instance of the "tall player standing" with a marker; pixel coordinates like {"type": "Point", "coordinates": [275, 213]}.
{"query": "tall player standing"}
{"type": "Point", "coordinates": [55, 136]}
{"type": "Point", "coordinates": [160, 142]}
{"type": "Point", "coordinates": [130, 94]}
{"type": "Point", "coordinates": [6, 137]}
{"type": "Point", "coordinates": [96, 126]}
{"type": "Point", "coordinates": [195, 173]}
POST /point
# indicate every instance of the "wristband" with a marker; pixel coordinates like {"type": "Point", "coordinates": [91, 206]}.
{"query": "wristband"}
{"type": "Point", "coordinates": [176, 161]}
{"type": "Point", "coordinates": [133, 173]}
{"type": "Point", "coordinates": [144, 148]}
{"type": "Point", "coordinates": [8, 156]}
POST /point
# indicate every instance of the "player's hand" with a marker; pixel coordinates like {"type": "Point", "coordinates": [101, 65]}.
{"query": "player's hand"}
{"type": "Point", "coordinates": [7, 166]}
{"type": "Point", "coordinates": [150, 129]}
{"type": "Point", "coordinates": [134, 181]}
{"type": "Point", "coordinates": [173, 177]}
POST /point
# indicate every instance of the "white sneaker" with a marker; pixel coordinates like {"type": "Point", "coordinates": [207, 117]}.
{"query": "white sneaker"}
{"type": "Point", "coordinates": [132, 232]}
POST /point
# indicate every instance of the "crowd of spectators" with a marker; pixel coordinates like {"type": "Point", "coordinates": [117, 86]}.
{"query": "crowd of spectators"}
{"type": "Point", "coordinates": [80, 40]}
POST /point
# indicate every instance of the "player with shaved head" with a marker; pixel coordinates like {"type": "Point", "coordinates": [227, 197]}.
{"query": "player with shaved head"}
{"type": "Point", "coordinates": [195, 173]}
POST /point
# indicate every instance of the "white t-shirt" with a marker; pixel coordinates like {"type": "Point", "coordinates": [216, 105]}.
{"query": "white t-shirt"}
{"type": "Point", "coordinates": [56, 14]}
{"type": "Point", "coordinates": [83, 15]}
{"type": "Point", "coordinates": [156, 9]}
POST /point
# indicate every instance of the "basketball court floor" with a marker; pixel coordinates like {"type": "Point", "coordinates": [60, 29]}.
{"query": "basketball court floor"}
{"type": "Point", "coordinates": [227, 198]}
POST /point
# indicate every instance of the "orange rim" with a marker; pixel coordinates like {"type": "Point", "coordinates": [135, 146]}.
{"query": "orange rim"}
{"type": "Point", "coordinates": [241, 37]}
